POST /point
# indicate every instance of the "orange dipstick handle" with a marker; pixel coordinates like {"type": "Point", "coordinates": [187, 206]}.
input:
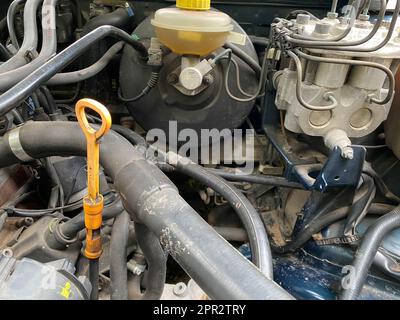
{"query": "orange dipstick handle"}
{"type": "Point", "coordinates": [93, 202]}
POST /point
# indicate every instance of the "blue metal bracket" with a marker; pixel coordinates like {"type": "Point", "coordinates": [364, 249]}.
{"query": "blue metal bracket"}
{"type": "Point", "coordinates": [336, 172]}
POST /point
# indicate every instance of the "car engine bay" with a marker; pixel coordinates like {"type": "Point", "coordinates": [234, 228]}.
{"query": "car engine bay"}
{"type": "Point", "coordinates": [197, 150]}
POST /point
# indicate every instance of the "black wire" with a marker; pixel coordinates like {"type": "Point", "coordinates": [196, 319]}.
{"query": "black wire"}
{"type": "Point", "coordinates": [152, 83]}
{"type": "Point", "coordinates": [39, 212]}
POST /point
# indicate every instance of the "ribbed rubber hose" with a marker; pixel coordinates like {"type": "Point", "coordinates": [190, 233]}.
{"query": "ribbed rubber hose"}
{"type": "Point", "coordinates": [217, 267]}
{"type": "Point", "coordinates": [366, 253]}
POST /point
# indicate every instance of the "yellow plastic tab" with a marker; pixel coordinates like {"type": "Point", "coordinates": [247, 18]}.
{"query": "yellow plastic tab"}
{"type": "Point", "coordinates": [193, 4]}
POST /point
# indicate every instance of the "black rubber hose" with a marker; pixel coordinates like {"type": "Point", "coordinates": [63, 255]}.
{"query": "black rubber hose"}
{"type": "Point", "coordinates": [251, 220]}
{"type": "Point", "coordinates": [43, 100]}
{"type": "Point", "coordinates": [156, 260]}
{"type": "Point", "coordinates": [245, 57]}
{"type": "Point", "coordinates": [218, 268]}
{"type": "Point", "coordinates": [50, 100]}
{"type": "Point", "coordinates": [257, 179]}
{"type": "Point", "coordinates": [12, 98]}
{"type": "Point", "coordinates": [366, 252]}
{"type": "Point", "coordinates": [118, 18]}
{"type": "Point", "coordinates": [313, 228]}
{"type": "Point", "coordinates": [118, 260]}
{"type": "Point", "coordinates": [130, 135]}
{"type": "Point", "coordinates": [4, 53]}
{"type": "Point", "coordinates": [75, 225]}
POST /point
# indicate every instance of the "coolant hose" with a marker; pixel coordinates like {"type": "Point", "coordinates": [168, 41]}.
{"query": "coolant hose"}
{"type": "Point", "coordinates": [130, 135]}
{"type": "Point", "coordinates": [118, 257]}
{"type": "Point", "coordinates": [366, 252]}
{"type": "Point", "coordinates": [153, 200]}
{"type": "Point", "coordinates": [257, 234]}
{"type": "Point", "coordinates": [118, 18]}
{"type": "Point", "coordinates": [72, 227]}
{"type": "Point", "coordinates": [49, 48]}
{"type": "Point", "coordinates": [11, 98]}
{"type": "Point", "coordinates": [156, 260]}
{"type": "Point", "coordinates": [30, 42]}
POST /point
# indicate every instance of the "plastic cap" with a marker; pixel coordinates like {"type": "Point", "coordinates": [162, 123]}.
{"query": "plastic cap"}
{"type": "Point", "coordinates": [193, 4]}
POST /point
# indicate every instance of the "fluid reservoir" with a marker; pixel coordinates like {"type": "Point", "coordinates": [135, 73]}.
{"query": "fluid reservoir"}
{"type": "Point", "coordinates": [191, 28]}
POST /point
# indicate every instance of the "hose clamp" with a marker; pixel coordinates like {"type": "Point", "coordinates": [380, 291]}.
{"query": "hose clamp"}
{"type": "Point", "coordinates": [16, 146]}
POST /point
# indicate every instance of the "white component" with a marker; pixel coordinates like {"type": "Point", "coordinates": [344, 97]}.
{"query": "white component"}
{"type": "Point", "coordinates": [192, 73]}
{"type": "Point", "coordinates": [355, 115]}
{"type": "Point", "coordinates": [369, 78]}
{"type": "Point", "coordinates": [338, 138]}
{"type": "Point", "coordinates": [331, 75]}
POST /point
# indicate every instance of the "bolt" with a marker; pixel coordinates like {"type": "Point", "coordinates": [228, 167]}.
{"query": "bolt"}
{"type": "Point", "coordinates": [180, 289]}
{"type": "Point", "coordinates": [208, 79]}
{"type": "Point", "coordinates": [364, 17]}
{"type": "Point", "coordinates": [347, 153]}
{"type": "Point", "coordinates": [332, 15]}
{"type": "Point", "coordinates": [7, 252]}
{"type": "Point", "coordinates": [172, 78]}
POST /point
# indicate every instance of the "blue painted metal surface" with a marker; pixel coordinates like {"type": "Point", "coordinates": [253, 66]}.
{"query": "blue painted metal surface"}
{"type": "Point", "coordinates": [308, 277]}
{"type": "Point", "coordinates": [315, 273]}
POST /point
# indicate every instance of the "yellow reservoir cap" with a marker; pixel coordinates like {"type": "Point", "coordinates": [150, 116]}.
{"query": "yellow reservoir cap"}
{"type": "Point", "coordinates": [193, 4]}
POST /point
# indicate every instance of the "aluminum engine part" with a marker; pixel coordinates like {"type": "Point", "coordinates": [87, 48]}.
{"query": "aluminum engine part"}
{"type": "Point", "coordinates": [351, 86]}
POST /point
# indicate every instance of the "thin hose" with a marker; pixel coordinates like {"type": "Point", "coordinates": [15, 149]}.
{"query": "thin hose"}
{"type": "Point", "coordinates": [11, 98]}
{"type": "Point", "coordinates": [388, 72]}
{"type": "Point", "coordinates": [313, 228]}
{"type": "Point", "coordinates": [299, 83]}
{"type": "Point", "coordinates": [152, 83]}
{"type": "Point", "coordinates": [245, 57]}
{"type": "Point", "coordinates": [84, 74]}
{"type": "Point", "coordinates": [72, 227]}
{"type": "Point", "coordinates": [49, 48]}
{"type": "Point", "coordinates": [30, 41]}
{"type": "Point", "coordinates": [385, 41]}
{"type": "Point", "coordinates": [118, 254]}
{"type": "Point", "coordinates": [209, 260]}
{"type": "Point", "coordinates": [130, 135]}
{"type": "Point", "coordinates": [367, 251]}
{"type": "Point", "coordinates": [156, 260]}
{"type": "Point", "coordinates": [259, 243]}
{"type": "Point", "coordinates": [348, 46]}
{"type": "Point", "coordinates": [337, 38]}
{"type": "Point", "coordinates": [257, 179]}
{"type": "Point", "coordinates": [10, 22]}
